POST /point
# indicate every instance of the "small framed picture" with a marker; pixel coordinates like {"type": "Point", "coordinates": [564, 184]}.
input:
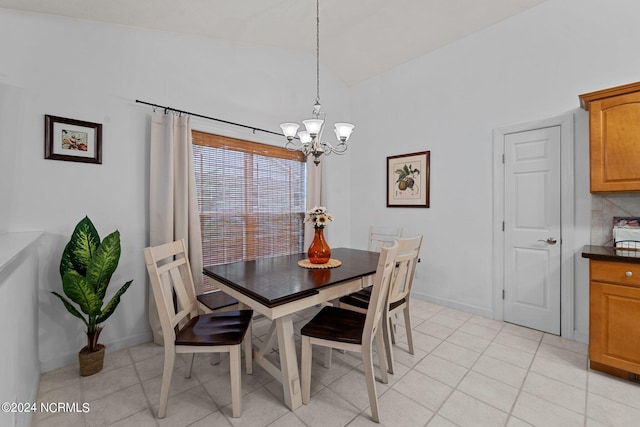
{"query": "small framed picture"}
{"type": "Point", "coordinates": [72, 140]}
{"type": "Point", "coordinates": [408, 180]}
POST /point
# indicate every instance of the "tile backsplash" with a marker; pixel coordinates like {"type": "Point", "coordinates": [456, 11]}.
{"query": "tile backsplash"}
{"type": "Point", "coordinates": [604, 208]}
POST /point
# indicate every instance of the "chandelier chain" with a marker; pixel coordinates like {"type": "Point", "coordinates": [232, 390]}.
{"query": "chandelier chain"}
{"type": "Point", "coordinates": [318, 51]}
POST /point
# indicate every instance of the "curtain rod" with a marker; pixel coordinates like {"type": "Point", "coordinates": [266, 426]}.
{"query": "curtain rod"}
{"type": "Point", "coordinates": [165, 108]}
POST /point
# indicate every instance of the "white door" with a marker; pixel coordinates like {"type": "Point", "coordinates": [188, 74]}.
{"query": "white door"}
{"type": "Point", "coordinates": [532, 235]}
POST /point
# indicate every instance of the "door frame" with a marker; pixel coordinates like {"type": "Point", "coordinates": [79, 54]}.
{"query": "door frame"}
{"type": "Point", "coordinates": [567, 195]}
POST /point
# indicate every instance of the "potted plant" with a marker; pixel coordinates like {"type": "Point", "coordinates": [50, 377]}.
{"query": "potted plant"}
{"type": "Point", "coordinates": [86, 268]}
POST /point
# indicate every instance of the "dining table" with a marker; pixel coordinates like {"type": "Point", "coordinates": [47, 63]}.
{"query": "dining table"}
{"type": "Point", "coordinates": [277, 287]}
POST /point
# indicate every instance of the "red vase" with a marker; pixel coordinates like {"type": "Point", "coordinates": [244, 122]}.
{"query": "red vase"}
{"type": "Point", "coordinates": [319, 252]}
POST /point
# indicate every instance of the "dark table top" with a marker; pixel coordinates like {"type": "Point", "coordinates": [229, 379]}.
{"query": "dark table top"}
{"type": "Point", "coordinates": [278, 280]}
{"type": "Point", "coordinates": [608, 253]}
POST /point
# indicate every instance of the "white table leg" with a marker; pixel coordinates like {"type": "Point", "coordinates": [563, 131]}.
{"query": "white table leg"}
{"type": "Point", "coordinates": [288, 362]}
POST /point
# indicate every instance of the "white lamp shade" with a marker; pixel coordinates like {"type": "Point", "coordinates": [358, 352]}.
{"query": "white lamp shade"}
{"type": "Point", "coordinates": [343, 131]}
{"type": "Point", "coordinates": [313, 126]}
{"type": "Point", "coordinates": [305, 137]}
{"type": "Point", "coordinates": [289, 129]}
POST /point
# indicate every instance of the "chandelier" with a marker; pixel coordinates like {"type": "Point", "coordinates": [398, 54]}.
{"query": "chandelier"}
{"type": "Point", "coordinates": [309, 141]}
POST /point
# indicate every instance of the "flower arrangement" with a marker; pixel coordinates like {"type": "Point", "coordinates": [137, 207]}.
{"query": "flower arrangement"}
{"type": "Point", "coordinates": [318, 216]}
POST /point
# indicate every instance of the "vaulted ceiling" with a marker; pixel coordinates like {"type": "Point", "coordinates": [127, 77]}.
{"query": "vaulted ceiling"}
{"type": "Point", "coordinates": [358, 38]}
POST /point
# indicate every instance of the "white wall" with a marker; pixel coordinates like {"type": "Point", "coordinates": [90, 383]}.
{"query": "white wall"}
{"type": "Point", "coordinates": [95, 72]}
{"type": "Point", "coordinates": [527, 68]}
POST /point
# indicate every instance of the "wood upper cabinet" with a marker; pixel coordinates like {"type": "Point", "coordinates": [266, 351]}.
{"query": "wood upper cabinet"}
{"type": "Point", "coordinates": [614, 133]}
{"type": "Point", "coordinates": [614, 318]}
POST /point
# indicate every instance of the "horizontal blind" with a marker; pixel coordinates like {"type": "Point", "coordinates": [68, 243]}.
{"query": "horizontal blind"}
{"type": "Point", "coordinates": [251, 199]}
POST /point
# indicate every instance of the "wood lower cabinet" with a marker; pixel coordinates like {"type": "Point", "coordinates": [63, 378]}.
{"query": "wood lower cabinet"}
{"type": "Point", "coordinates": [614, 138]}
{"type": "Point", "coordinates": [614, 318]}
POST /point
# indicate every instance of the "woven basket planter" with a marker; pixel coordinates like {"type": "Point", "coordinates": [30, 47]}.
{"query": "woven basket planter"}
{"type": "Point", "coordinates": [91, 362]}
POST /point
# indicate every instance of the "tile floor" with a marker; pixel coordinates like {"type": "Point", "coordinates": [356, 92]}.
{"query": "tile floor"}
{"type": "Point", "coordinates": [467, 371]}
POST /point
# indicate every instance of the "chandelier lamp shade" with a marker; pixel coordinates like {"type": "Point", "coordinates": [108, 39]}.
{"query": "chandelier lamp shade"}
{"type": "Point", "coordinates": [309, 140]}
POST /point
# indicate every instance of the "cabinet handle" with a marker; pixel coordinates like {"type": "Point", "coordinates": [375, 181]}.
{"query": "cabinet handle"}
{"type": "Point", "coordinates": [629, 273]}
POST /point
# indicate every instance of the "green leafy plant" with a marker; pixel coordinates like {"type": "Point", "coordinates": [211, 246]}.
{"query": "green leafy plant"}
{"type": "Point", "coordinates": [86, 268]}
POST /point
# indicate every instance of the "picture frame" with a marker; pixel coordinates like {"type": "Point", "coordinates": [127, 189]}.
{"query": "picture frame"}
{"type": "Point", "coordinates": [72, 140]}
{"type": "Point", "coordinates": [408, 180]}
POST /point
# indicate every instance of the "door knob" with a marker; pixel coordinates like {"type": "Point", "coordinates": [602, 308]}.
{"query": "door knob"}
{"type": "Point", "coordinates": [550, 241]}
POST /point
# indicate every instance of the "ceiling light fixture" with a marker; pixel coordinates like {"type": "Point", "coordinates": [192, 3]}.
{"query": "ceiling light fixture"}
{"type": "Point", "coordinates": [309, 141]}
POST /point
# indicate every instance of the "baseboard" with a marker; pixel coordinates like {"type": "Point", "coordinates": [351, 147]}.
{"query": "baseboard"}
{"type": "Point", "coordinates": [72, 357]}
{"type": "Point", "coordinates": [468, 308]}
{"type": "Point", "coordinates": [581, 337]}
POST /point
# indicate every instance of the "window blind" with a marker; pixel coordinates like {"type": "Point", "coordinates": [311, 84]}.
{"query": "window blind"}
{"type": "Point", "coordinates": [251, 199]}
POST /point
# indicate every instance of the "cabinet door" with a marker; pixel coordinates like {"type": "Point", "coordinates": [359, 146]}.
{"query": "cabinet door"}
{"type": "Point", "coordinates": [614, 326]}
{"type": "Point", "coordinates": [615, 143]}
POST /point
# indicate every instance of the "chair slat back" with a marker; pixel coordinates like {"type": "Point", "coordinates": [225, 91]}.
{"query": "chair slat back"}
{"type": "Point", "coordinates": [172, 284]}
{"type": "Point", "coordinates": [379, 292]}
{"type": "Point", "coordinates": [380, 237]}
{"type": "Point", "coordinates": [406, 261]}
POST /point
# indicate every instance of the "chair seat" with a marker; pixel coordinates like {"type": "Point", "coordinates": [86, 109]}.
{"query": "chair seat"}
{"type": "Point", "coordinates": [216, 300]}
{"type": "Point", "coordinates": [361, 298]}
{"type": "Point", "coordinates": [222, 328]}
{"type": "Point", "coordinates": [336, 324]}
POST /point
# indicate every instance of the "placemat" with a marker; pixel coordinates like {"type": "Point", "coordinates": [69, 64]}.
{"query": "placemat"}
{"type": "Point", "coordinates": [333, 263]}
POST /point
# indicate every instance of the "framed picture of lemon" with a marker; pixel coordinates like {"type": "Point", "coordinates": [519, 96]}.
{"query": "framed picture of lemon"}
{"type": "Point", "coordinates": [408, 180]}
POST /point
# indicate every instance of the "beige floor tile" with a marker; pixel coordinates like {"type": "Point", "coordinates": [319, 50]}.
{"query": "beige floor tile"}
{"type": "Point", "coordinates": [287, 420]}
{"type": "Point", "coordinates": [187, 407]}
{"type": "Point", "coordinates": [422, 341]}
{"type": "Point", "coordinates": [556, 392]}
{"type": "Point", "coordinates": [353, 388]}
{"type": "Point", "coordinates": [105, 383]}
{"type": "Point", "coordinates": [216, 419]}
{"type": "Point", "coordinates": [501, 371]}
{"type": "Point", "coordinates": [397, 410]}
{"type": "Point", "coordinates": [614, 388]}
{"type": "Point", "coordinates": [116, 406]}
{"type": "Point", "coordinates": [467, 411]}
{"type": "Point", "coordinates": [259, 409]}
{"type": "Point", "coordinates": [516, 341]}
{"type": "Point", "coordinates": [539, 412]}
{"type": "Point", "coordinates": [561, 355]}
{"type": "Point", "coordinates": [515, 422]}
{"type": "Point", "coordinates": [531, 334]}
{"type": "Point", "coordinates": [442, 370]}
{"type": "Point", "coordinates": [568, 374]}
{"type": "Point", "coordinates": [448, 321]}
{"type": "Point", "coordinates": [466, 340]}
{"type": "Point", "coordinates": [144, 418]}
{"type": "Point", "coordinates": [611, 413]}
{"type": "Point", "coordinates": [479, 330]}
{"type": "Point", "coordinates": [489, 391]}
{"type": "Point", "coordinates": [510, 355]}
{"type": "Point", "coordinates": [456, 354]}
{"type": "Point", "coordinates": [434, 329]}
{"type": "Point", "coordinates": [470, 376]}
{"type": "Point", "coordinates": [438, 421]}
{"type": "Point", "coordinates": [423, 389]}
{"type": "Point", "coordinates": [145, 351]}
{"type": "Point", "coordinates": [327, 408]}
{"type": "Point", "coordinates": [484, 321]}
{"type": "Point", "coordinates": [575, 346]}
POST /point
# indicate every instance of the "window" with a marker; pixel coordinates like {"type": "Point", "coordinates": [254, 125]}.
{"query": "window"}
{"type": "Point", "coordinates": [251, 197]}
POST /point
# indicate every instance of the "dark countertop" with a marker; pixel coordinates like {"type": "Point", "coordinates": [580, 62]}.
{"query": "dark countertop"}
{"type": "Point", "coordinates": [608, 253]}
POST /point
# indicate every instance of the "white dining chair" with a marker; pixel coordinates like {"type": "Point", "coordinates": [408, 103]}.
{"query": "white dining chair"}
{"type": "Point", "coordinates": [399, 299]}
{"type": "Point", "coordinates": [380, 237]}
{"type": "Point", "coordinates": [185, 330]}
{"type": "Point", "coordinates": [339, 328]}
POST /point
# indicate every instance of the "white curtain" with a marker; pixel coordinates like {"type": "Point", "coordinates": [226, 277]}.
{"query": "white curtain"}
{"type": "Point", "coordinates": [314, 185]}
{"type": "Point", "coordinates": [173, 203]}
